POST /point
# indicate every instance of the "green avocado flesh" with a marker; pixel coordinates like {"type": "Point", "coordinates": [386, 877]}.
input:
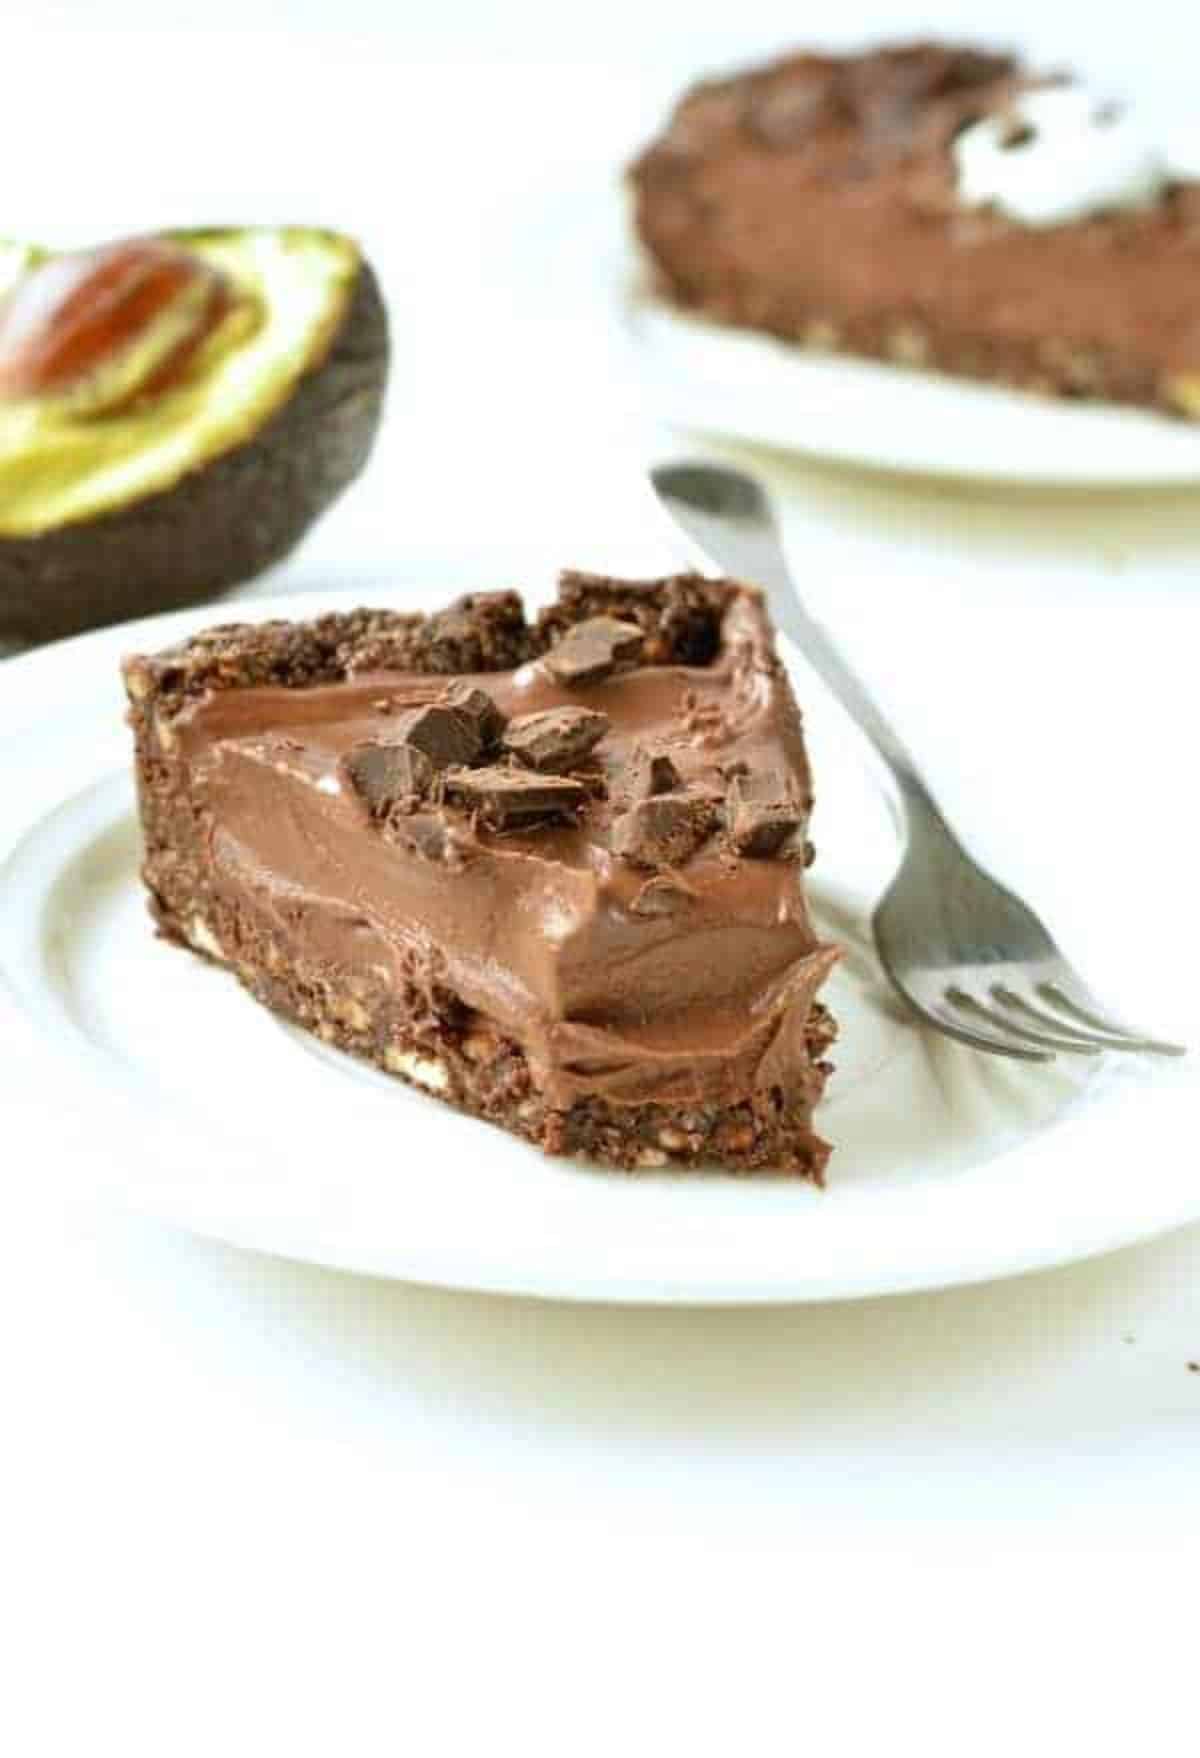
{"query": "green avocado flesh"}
{"type": "Point", "coordinates": [57, 469]}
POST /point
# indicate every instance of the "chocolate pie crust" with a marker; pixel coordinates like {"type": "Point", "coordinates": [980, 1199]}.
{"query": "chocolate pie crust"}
{"type": "Point", "coordinates": [814, 200]}
{"type": "Point", "coordinates": [595, 936]}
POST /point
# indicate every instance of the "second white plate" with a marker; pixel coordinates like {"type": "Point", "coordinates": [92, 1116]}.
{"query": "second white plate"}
{"type": "Point", "coordinates": [730, 382]}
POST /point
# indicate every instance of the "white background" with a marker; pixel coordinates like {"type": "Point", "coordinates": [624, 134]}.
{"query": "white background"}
{"type": "Point", "coordinates": [256, 1508]}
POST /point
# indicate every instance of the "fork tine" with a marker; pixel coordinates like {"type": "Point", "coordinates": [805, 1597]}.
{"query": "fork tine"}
{"type": "Point", "coordinates": [1116, 1037]}
{"type": "Point", "coordinates": [1077, 1046]}
{"type": "Point", "coordinates": [994, 1046]}
{"type": "Point", "coordinates": [1040, 1017]}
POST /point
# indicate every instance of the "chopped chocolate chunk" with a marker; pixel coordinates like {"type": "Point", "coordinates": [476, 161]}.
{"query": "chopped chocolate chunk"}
{"type": "Point", "coordinates": [420, 743]}
{"type": "Point", "coordinates": [446, 735]}
{"type": "Point", "coordinates": [650, 772]}
{"type": "Point", "coordinates": [479, 707]}
{"type": "Point", "coordinates": [664, 830]}
{"type": "Point", "coordinates": [555, 738]}
{"type": "Point", "coordinates": [762, 815]}
{"type": "Point", "coordinates": [513, 799]}
{"type": "Point", "coordinates": [387, 775]}
{"type": "Point", "coordinates": [664, 895]}
{"type": "Point", "coordinates": [592, 650]}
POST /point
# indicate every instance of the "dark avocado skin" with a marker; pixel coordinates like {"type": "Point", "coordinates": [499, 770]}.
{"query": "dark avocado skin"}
{"type": "Point", "coordinates": [226, 520]}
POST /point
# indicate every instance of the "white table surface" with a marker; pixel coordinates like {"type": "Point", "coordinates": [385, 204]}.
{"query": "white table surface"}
{"type": "Point", "coordinates": [256, 1507]}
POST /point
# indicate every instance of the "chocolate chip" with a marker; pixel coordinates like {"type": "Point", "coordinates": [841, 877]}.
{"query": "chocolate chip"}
{"type": "Point", "coordinates": [591, 651]}
{"type": "Point", "coordinates": [513, 799]}
{"type": "Point", "coordinates": [664, 895]}
{"type": "Point", "coordinates": [650, 772]}
{"type": "Point", "coordinates": [445, 734]}
{"type": "Point", "coordinates": [762, 814]}
{"type": "Point", "coordinates": [555, 738]}
{"type": "Point", "coordinates": [480, 708]}
{"type": "Point", "coordinates": [386, 775]}
{"type": "Point", "coordinates": [664, 830]}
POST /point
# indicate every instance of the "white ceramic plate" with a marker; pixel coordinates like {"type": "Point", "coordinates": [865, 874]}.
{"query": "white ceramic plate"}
{"type": "Point", "coordinates": [196, 1104]}
{"type": "Point", "coordinates": [754, 389]}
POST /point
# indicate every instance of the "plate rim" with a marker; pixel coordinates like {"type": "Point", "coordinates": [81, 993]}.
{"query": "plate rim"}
{"type": "Point", "coordinates": [634, 302]}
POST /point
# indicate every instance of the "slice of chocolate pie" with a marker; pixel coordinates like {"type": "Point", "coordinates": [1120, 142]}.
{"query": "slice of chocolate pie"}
{"type": "Point", "coordinates": [549, 870]}
{"type": "Point", "coordinates": [937, 206]}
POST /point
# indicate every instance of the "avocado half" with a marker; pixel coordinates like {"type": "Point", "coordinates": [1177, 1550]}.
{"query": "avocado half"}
{"type": "Point", "coordinates": [169, 502]}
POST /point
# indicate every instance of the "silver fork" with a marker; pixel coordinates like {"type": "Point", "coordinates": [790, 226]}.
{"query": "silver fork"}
{"type": "Point", "coordinates": [964, 952]}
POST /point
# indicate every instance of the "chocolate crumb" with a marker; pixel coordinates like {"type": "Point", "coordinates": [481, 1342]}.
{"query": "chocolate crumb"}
{"type": "Point", "coordinates": [704, 722]}
{"type": "Point", "coordinates": [664, 830]}
{"type": "Point", "coordinates": [762, 816]}
{"type": "Point", "coordinates": [432, 839]}
{"type": "Point", "coordinates": [595, 781]}
{"type": "Point", "coordinates": [479, 707]}
{"type": "Point", "coordinates": [1193, 1366]}
{"type": "Point", "coordinates": [591, 651]}
{"type": "Point", "coordinates": [649, 773]}
{"type": "Point", "coordinates": [556, 738]}
{"type": "Point", "coordinates": [513, 799]}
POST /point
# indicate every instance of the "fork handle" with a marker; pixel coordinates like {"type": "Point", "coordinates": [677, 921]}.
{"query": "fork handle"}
{"type": "Point", "coordinates": [817, 647]}
{"type": "Point", "coordinates": [742, 538]}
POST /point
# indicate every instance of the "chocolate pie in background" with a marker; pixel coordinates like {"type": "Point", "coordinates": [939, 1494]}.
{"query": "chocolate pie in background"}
{"type": "Point", "coordinates": [933, 206]}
